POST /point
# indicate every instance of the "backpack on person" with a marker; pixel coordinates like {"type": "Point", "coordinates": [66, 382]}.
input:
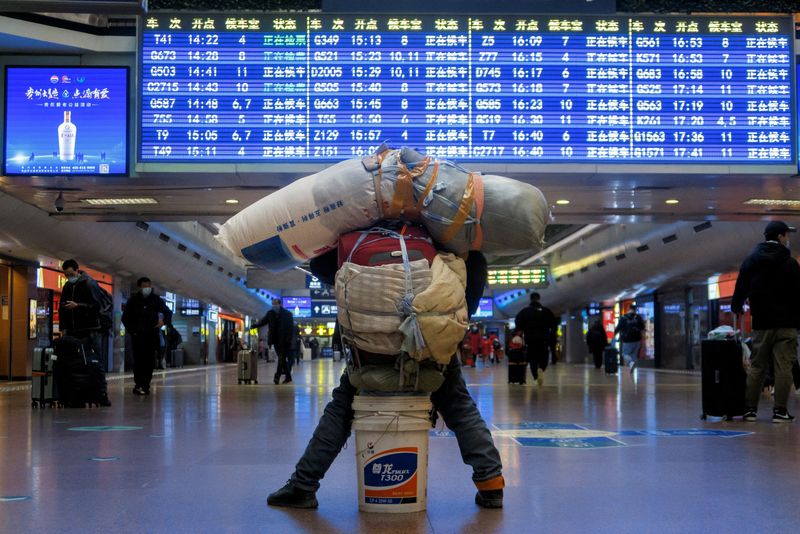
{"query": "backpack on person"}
{"type": "Point", "coordinates": [105, 302]}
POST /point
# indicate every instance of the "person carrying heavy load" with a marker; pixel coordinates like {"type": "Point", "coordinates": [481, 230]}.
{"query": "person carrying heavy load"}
{"type": "Point", "coordinates": [435, 297]}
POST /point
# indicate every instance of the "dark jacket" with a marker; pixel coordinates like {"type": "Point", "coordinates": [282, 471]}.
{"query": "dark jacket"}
{"type": "Point", "coordinates": [630, 327]}
{"type": "Point", "coordinates": [537, 323]}
{"type": "Point", "coordinates": [769, 279]}
{"type": "Point", "coordinates": [141, 313]}
{"type": "Point", "coordinates": [85, 318]}
{"type": "Point", "coordinates": [281, 329]}
{"type": "Point", "coordinates": [596, 338]}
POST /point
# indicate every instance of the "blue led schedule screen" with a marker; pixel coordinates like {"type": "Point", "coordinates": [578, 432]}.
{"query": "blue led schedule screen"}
{"type": "Point", "coordinates": [313, 87]}
{"type": "Point", "coordinates": [66, 120]}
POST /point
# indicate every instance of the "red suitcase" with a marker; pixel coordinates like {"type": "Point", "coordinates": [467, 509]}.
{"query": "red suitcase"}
{"type": "Point", "coordinates": [382, 246]}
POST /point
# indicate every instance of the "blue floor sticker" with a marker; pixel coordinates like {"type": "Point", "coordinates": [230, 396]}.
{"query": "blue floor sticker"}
{"type": "Point", "coordinates": [574, 436]}
{"type": "Point", "coordinates": [14, 498]}
{"type": "Point", "coordinates": [571, 443]}
{"type": "Point", "coordinates": [103, 428]}
{"type": "Point", "coordinates": [105, 459]}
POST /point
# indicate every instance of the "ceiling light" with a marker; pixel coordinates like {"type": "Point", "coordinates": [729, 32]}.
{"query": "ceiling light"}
{"type": "Point", "coordinates": [773, 202]}
{"type": "Point", "coordinates": [231, 201]}
{"type": "Point", "coordinates": [672, 201]}
{"type": "Point", "coordinates": [562, 202]}
{"type": "Point", "coordinates": [119, 201]}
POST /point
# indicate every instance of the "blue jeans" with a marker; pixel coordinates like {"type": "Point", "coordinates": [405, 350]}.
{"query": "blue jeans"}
{"type": "Point", "coordinates": [452, 401]}
{"type": "Point", "coordinates": [630, 351]}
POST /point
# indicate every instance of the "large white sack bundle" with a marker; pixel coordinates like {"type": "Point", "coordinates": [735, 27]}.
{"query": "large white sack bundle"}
{"type": "Point", "coordinates": [462, 211]}
{"type": "Point", "coordinates": [304, 219]}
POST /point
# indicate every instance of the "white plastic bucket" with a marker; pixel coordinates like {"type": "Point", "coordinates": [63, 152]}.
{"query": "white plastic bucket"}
{"type": "Point", "coordinates": [392, 452]}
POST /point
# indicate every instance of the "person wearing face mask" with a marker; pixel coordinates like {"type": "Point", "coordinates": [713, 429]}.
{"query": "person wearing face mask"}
{"type": "Point", "coordinates": [281, 333]}
{"type": "Point", "coordinates": [79, 313]}
{"type": "Point", "coordinates": [769, 279]}
{"type": "Point", "coordinates": [145, 313]}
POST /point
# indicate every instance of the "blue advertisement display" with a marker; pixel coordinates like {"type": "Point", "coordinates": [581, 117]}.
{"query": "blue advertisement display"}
{"type": "Point", "coordinates": [66, 121]}
{"type": "Point", "coordinates": [485, 309]}
{"type": "Point", "coordinates": [299, 306]}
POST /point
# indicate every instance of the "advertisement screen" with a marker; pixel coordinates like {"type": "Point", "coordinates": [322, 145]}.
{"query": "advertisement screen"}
{"type": "Point", "coordinates": [66, 121]}
{"type": "Point", "coordinates": [485, 309]}
{"type": "Point", "coordinates": [299, 306]}
{"type": "Point", "coordinates": [318, 87]}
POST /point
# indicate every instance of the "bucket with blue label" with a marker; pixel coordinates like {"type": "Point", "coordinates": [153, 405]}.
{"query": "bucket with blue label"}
{"type": "Point", "coordinates": [392, 452]}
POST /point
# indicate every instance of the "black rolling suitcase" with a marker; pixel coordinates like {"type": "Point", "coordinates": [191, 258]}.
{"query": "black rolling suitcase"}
{"type": "Point", "coordinates": [43, 391]}
{"type": "Point", "coordinates": [517, 366]}
{"type": "Point", "coordinates": [723, 378]}
{"type": "Point", "coordinates": [611, 360]}
{"type": "Point", "coordinates": [79, 376]}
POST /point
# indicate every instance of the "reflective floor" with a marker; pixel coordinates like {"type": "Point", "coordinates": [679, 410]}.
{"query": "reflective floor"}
{"type": "Point", "coordinates": [584, 453]}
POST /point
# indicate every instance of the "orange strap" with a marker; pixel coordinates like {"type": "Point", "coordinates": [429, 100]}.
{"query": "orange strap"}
{"type": "Point", "coordinates": [477, 243]}
{"type": "Point", "coordinates": [428, 187]}
{"type": "Point", "coordinates": [403, 199]}
{"type": "Point", "coordinates": [495, 483]}
{"type": "Point", "coordinates": [463, 209]}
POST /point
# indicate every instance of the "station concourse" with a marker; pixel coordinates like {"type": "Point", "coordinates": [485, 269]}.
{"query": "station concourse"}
{"type": "Point", "coordinates": [613, 157]}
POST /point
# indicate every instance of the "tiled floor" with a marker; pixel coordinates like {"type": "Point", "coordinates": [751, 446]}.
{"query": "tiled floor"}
{"type": "Point", "coordinates": [204, 452]}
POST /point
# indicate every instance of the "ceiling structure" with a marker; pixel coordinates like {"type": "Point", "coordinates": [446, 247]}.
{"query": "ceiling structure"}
{"type": "Point", "coordinates": [578, 194]}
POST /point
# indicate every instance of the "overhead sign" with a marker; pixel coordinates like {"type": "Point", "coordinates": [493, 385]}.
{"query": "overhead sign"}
{"type": "Point", "coordinates": [323, 308]}
{"type": "Point", "coordinates": [536, 277]}
{"type": "Point", "coordinates": [321, 87]}
{"type": "Point", "coordinates": [312, 282]}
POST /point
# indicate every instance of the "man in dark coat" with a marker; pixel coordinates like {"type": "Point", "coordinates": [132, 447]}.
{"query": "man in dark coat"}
{"type": "Point", "coordinates": [538, 325]}
{"type": "Point", "coordinates": [144, 315]}
{"type": "Point", "coordinates": [769, 279]}
{"type": "Point", "coordinates": [79, 314]}
{"type": "Point", "coordinates": [281, 331]}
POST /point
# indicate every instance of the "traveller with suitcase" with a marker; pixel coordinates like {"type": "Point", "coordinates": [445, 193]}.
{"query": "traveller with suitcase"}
{"type": "Point", "coordinates": [517, 366]}
{"type": "Point", "coordinates": [769, 279]}
{"type": "Point", "coordinates": [280, 323]}
{"type": "Point", "coordinates": [85, 313]}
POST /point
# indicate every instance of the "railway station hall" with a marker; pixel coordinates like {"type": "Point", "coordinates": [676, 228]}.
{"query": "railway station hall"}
{"type": "Point", "coordinates": [334, 266]}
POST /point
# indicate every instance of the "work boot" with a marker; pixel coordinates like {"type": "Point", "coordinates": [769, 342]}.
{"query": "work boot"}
{"type": "Point", "coordinates": [489, 499]}
{"type": "Point", "coordinates": [490, 492]}
{"type": "Point", "coordinates": [290, 496]}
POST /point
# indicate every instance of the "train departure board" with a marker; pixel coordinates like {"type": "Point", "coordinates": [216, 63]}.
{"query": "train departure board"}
{"type": "Point", "coordinates": [507, 88]}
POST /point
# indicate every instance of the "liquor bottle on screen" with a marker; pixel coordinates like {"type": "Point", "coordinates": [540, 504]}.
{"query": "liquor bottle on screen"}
{"type": "Point", "coordinates": [66, 138]}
